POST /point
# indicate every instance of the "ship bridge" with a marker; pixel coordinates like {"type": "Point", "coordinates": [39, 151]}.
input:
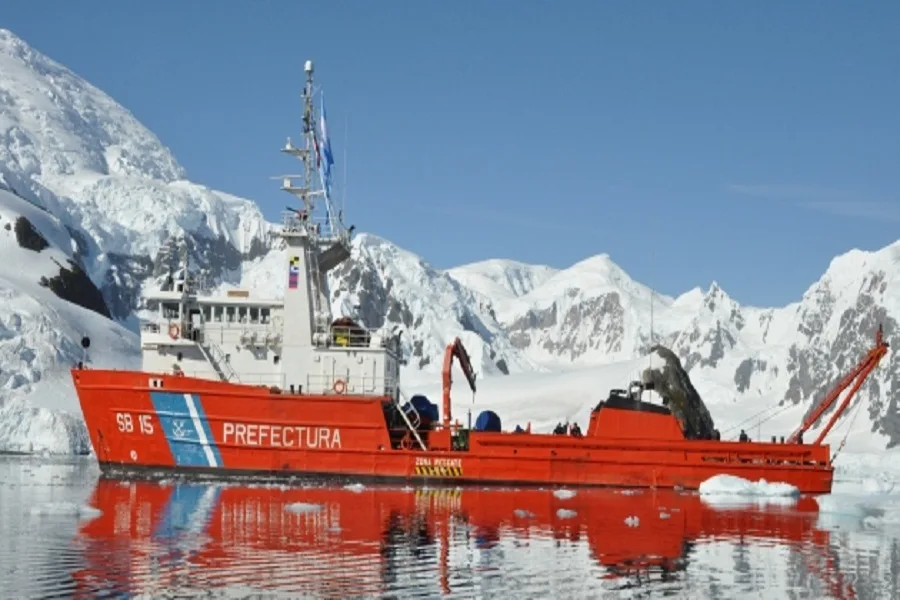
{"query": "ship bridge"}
{"type": "Point", "coordinates": [292, 344]}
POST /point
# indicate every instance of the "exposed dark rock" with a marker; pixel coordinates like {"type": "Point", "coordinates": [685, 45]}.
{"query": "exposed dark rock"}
{"type": "Point", "coordinates": [718, 340]}
{"type": "Point", "coordinates": [82, 245]}
{"type": "Point", "coordinates": [121, 285]}
{"type": "Point", "coordinates": [745, 371]}
{"type": "Point", "coordinates": [73, 284]}
{"type": "Point", "coordinates": [29, 237]}
{"type": "Point", "coordinates": [672, 383]}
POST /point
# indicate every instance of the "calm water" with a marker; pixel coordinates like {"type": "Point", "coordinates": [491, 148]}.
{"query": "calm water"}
{"type": "Point", "coordinates": [66, 533]}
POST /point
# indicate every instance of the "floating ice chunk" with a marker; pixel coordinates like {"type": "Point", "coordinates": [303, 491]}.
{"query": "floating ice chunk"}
{"type": "Point", "coordinates": [303, 507]}
{"type": "Point", "coordinates": [730, 485]}
{"type": "Point", "coordinates": [564, 494]}
{"type": "Point", "coordinates": [67, 509]}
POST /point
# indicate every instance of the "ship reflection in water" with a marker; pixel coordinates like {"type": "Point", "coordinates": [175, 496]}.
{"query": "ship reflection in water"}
{"type": "Point", "coordinates": [182, 538]}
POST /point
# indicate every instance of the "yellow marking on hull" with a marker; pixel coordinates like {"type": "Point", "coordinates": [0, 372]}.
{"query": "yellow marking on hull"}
{"type": "Point", "coordinates": [438, 471]}
{"type": "Point", "coordinates": [445, 492]}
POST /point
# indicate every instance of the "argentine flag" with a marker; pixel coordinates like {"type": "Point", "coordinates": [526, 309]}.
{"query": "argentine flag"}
{"type": "Point", "coordinates": [326, 147]}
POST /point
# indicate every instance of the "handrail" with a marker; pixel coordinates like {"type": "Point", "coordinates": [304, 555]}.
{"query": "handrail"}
{"type": "Point", "coordinates": [409, 424]}
{"type": "Point", "coordinates": [354, 385]}
{"type": "Point", "coordinates": [219, 363]}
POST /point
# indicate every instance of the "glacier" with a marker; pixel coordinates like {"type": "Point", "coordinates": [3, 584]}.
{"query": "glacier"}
{"type": "Point", "coordinates": [105, 194]}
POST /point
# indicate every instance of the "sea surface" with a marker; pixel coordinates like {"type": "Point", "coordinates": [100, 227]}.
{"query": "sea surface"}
{"type": "Point", "coordinates": [65, 532]}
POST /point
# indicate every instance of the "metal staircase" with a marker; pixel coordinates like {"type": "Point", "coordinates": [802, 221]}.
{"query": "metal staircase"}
{"type": "Point", "coordinates": [216, 357]}
{"type": "Point", "coordinates": [414, 422]}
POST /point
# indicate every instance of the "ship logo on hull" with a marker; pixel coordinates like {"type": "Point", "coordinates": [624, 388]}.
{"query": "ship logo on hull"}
{"type": "Point", "coordinates": [187, 430]}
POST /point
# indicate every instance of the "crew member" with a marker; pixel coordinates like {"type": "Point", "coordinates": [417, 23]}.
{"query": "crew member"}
{"type": "Point", "coordinates": [744, 437]}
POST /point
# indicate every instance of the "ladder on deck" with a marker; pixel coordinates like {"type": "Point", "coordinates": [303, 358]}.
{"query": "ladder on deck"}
{"type": "Point", "coordinates": [216, 358]}
{"type": "Point", "coordinates": [409, 422]}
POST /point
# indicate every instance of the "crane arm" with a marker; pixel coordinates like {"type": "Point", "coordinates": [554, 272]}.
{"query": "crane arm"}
{"type": "Point", "coordinates": [857, 375]}
{"type": "Point", "coordinates": [455, 349]}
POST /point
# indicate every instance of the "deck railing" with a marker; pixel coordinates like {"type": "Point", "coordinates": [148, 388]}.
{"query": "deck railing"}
{"type": "Point", "coordinates": [355, 385]}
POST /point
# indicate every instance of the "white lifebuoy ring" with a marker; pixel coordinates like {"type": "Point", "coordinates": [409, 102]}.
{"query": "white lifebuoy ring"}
{"type": "Point", "coordinates": [339, 386]}
{"type": "Point", "coordinates": [174, 331]}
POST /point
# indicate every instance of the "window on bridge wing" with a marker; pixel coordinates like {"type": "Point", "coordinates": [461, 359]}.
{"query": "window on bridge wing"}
{"type": "Point", "coordinates": [217, 314]}
{"type": "Point", "coordinates": [229, 314]}
{"type": "Point", "coordinates": [170, 310]}
{"type": "Point", "coordinates": [264, 315]}
{"type": "Point", "coordinates": [254, 314]}
{"type": "Point", "coordinates": [207, 313]}
{"type": "Point", "coordinates": [242, 314]}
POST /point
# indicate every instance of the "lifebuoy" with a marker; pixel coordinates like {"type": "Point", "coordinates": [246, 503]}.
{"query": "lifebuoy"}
{"type": "Point", "coordinates": [174, 330]}
{"type": "Point", "coordinates": [339, 386]}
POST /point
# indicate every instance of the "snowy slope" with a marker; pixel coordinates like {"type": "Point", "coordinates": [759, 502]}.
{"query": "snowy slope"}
{"type": "Point", "coordinates": [40, 334]}
{"type": "Point", "coordinates": [69, 147]}
{"type": "Point", "coordinates": [113, 193]}
{"type": "Point", "coordinates": [501, 280]}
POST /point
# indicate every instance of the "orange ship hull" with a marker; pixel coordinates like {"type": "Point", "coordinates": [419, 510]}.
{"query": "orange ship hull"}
{"type": "Point", "coordinates": [153, 422]}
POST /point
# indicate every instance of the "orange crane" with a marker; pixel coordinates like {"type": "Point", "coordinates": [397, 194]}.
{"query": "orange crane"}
{"type": "Point", "coordinates": [858, 374]}
{"type": "Point", "coordinates": [455, 348]}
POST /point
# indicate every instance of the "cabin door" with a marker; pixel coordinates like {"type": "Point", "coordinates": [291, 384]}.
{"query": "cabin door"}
{"type": "Point", "coordinates": [195, 319]}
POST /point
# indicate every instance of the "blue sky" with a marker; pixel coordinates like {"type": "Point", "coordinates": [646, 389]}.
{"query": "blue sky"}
{"type": "Point", "coordinates": [746, 143]}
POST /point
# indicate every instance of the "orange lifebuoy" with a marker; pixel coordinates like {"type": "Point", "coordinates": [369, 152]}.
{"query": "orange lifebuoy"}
{"type": "Point", "coordinates": [174, 330]}
{"type": "Point", "coordinates": [339, 386]}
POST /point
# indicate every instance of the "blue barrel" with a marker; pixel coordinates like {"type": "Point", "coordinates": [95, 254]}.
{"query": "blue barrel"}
{"type": "Point", "coordinates": [487, 421]}
{"type": "Point", "coordinates": [428, 411]}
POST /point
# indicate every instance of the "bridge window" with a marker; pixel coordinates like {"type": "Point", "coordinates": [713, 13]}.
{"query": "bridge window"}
{"type": "Point", "coordinates": [170, 310]}
{"type": "Point", "coordinates": [242, 314]}
{"type": "Point", "coordinates": [254, 314]}
{"type": "Point", "coordinates": [264, 315]}
{"type": "Point", "coordinates": [207, 313]}
{"type": "Point", "coordinates": [229, 314]}
{"type": "Point", "coordinates": [217, 314]}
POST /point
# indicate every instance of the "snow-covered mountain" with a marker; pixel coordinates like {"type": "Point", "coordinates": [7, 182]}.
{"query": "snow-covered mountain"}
{"type": "Point", "coordinates": [47, 306]}
{"type": "Point", "coordinates": [105, 194]}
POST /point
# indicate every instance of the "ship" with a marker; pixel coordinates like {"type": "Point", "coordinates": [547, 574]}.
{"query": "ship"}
{"type": "Point", "coordinates": [238, 385]}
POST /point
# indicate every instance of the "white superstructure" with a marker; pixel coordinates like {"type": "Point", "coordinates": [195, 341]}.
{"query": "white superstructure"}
{"type": "Point", "coordinates": [293, 344]}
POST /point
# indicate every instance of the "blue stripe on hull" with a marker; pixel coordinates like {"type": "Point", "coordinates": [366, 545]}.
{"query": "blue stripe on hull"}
{"type": "Point", "coordinates": [187, 432]}
{"type": "Point", "coordinates": [204, 423]}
